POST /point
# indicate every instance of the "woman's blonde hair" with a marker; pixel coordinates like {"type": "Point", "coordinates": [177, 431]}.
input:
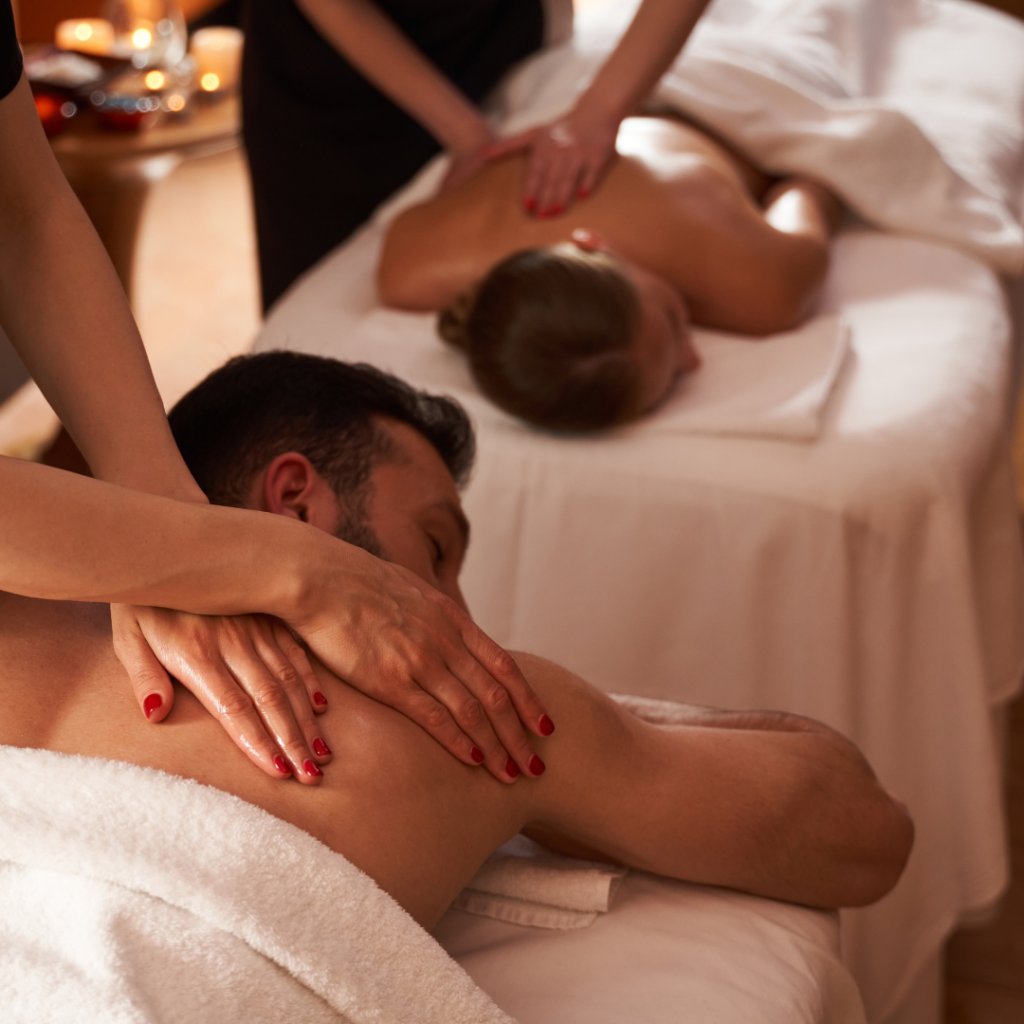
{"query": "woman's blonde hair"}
{"type": "Point", "coordinates": [548, 335]}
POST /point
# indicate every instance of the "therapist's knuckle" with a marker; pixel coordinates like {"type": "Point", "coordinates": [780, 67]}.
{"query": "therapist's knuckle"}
{"type": "Point", "coordinates": [471, 713]}
{"type": "Point", "coordinates": [234, 704]}
{"type": "Point", "coordinates": [436, 716]}
{"type": "Point", "coordinates": [272, 700]}
{"type": "Point", "coordinates": [289, 678]}
{"type": "Point", "coordinates": [496, 699]}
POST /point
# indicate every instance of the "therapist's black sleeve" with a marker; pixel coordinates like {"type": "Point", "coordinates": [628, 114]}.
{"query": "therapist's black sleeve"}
{"type": "Point", "coordinates": [10, 52]}
{"type": "Point", "coordinates": [325, 147]}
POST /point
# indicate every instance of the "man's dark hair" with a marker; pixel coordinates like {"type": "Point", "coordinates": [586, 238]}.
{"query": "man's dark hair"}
{"type": "Point", "coordinates": [241, 417]}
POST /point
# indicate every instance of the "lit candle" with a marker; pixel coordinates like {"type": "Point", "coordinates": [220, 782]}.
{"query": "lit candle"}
{"type": "Point", "coordinates": [218, 56]}
{"type": "Point", "coordinates": [87, 35]}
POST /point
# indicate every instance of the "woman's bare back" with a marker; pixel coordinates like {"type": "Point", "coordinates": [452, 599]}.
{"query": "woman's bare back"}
{"type": "Point", "coordinates": [673, 201]}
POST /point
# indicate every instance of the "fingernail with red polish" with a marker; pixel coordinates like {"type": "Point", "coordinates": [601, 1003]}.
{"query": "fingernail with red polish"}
{"type": "Point", "coordinates": [152, 703]}
{"type": "Point", "coordinates": [319, 699]}
{"type": "Point", "coordinates": [282, 765]}
{"type": "Point", "coordinates": [537, 766]}
{"type": "Point", "coordinates": [582, 192]}
{"type": "Point", "coordinates": [320, 748]}
{"type": "Point", "coordinates": [556, 210]}
{"type": "Point", "coordinates": [311, 769]}
{"type": "Point", "coordinates": [545, 725]}
{"type": "Point", "coordinates": [511, 768]}
{"type": "Point", "coordinates": [477, 754]}
{"type": "Point", "coordinates": [530, 204]}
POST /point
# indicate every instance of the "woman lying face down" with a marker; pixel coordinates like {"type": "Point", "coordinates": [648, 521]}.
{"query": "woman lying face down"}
{"type": "Point", "coordinates": [764, 802]}
{"type": "Point", "coordinates": [581, 321]}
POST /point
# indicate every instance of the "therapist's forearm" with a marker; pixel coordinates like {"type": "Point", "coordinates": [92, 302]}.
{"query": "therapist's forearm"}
{"type": "Point", "coordinates": [645, 52]}
{"type": "Point", "coordinates": [66, 537]}
{"type": "Point", "coordinates": [378, 49]}
{"type": "Point", "coordinates": [63, 308]}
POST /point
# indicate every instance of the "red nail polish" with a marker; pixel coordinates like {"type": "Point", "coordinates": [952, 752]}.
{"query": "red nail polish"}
{"type": "Point", "coordinates": [319, 699]}
{"type": "Point", "coordinates": [281, 765]}
{"type": "Point", "coordinates": [556, 210]}
{"type": "Point", "coordinates": [545, 725]}
{"type": "Point", "coordinates": [582, 192]}
{"type": "Point", "coordinates": [511, 768]}
{"type": "Point", "coordinates": [537, 766]}
{"type": "Point", "coordinates": [477, 754]}
{"type": "Point", "coordinates": [530, 204]}
{"type": "Point", "coordinates": [311, 769]}
{"type": "Point", "coordinates": [320, 748]}
{"type": "Point", "coordinates": [152, 703]}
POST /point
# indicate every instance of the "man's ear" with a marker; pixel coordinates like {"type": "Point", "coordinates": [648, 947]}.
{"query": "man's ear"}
{"type": "Point", "coordinates": [292, 487]}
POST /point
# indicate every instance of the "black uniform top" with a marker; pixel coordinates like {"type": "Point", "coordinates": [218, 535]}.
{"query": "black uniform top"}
{"type": "Point", "coordinates": [10, 52]}
{"type": "Point", "coordinates": [325, 147]}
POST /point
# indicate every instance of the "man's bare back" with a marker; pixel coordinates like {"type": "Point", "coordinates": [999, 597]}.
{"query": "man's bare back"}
{"type": "Point", "coordinates": [673, 201]}
{"type": "Point", "coordinates": [698, 802]}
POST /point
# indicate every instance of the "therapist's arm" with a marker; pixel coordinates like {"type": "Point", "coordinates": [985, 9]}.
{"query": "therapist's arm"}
{"type": "Point", "coordinates": [63, 308]}
{"type": "Point", "coordinates": [568, 156]}
{"type": "Point", "coordinates": [371, 42]}
{"type": "Point", "coordinates": [376, 625]}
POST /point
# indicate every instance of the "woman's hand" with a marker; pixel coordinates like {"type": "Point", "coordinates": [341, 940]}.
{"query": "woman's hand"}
{"type": "Point", "coordinates": [395, 638]}
{"type": "Point", "coordinates": [566, 159]}
{"type": "Point", "coordinates": [248, 671]}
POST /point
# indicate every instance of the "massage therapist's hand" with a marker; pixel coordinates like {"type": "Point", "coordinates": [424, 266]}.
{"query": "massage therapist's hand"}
{"type": "Point", "coordinates": [248, 671]}
{"type": "Point", "coordinates": [395, 638]}
{"type": "Point", "coordinates": [566, 159]}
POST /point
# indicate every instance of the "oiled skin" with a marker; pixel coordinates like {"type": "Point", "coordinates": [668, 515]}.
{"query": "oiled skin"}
{"type": "Point", "coordinates": [778, 807]}
{"type": "Point", "coordinates": [673, 201]}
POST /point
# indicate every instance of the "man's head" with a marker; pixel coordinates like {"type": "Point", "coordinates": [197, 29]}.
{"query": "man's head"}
{"type": "Point", "coordinates": [346, 448]}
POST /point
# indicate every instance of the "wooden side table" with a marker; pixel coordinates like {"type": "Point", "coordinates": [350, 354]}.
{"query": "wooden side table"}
{"type": "Point", "coordinates": [112, 172]}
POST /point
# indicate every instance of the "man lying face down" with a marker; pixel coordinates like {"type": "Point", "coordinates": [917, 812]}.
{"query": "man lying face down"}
{"type": "Point", "coordinates": [768, 803]}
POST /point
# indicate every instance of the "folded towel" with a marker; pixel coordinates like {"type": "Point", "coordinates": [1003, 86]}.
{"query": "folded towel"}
{"type": "Point", "coordinates": [776, 387]}
{"type": "Point", "coordinates": [130, 895]}
{"type": "Point", "coordinates": [524, 883]}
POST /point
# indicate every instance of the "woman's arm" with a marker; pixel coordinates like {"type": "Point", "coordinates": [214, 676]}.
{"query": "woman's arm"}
{"type": "Point", "coordinates": [568, 157]}
{"type": "Point", "coordinates": [373, 44]}
{"type": "Point", "coordinates": [63, 308]}
{"type": "Point", "coordinates": [374, 624]}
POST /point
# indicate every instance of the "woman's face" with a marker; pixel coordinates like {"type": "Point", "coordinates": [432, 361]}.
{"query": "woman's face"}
{"type": "Point", "coordinates": [663, 346]}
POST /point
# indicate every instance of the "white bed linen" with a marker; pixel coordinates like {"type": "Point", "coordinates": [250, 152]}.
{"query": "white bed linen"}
{"type": "Point", "coordinates": [667, 952]}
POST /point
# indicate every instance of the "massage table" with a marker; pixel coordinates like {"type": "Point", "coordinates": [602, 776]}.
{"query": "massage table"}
{"type": "Point", "coordinates": [848, 549]}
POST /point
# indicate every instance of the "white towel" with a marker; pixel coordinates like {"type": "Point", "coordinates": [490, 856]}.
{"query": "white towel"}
{"type": "Point", "coordinates": [776, 387]}
{"type": "Point", "coordinates": [128, 895]}
{"type": "Point", "coordinates": [524, 883]}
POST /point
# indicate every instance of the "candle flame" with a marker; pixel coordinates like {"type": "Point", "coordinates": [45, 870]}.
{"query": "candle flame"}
{"type": "Point", "coordinates": [141, 38]}
{"type": "Point", "coordinates": [210, 82]}
{"type": "Point", "coordinates": [155, 80]}
{"type": "Point", "coordinates": [83, 32]}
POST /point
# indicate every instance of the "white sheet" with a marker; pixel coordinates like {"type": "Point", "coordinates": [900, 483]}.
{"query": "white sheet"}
{"type": "Point", "coordinates": [667, 953]}
{"type": "Point", "coordinates": [873, 579]}
{"type": "Point", "coordinates": [128, 895]}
